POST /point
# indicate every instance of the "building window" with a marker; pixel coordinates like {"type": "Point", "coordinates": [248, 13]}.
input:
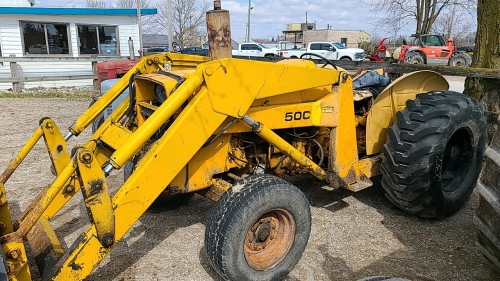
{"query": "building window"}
{"type": "Point", "coordinates": [37, 36]}
{"type": "Point", "coordinates": [100, 40]}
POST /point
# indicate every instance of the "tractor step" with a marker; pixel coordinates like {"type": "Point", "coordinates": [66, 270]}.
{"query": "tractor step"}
{"type": "Point", "coordinates": [360, 184]}
{"type": "Point", "coordinates": [356, 184]}
{"type": "Point", "coordinates": [45, 247]}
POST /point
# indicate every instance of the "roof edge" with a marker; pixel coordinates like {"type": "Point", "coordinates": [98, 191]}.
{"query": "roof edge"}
{"type": "Point", "coordinates": [74, 11]}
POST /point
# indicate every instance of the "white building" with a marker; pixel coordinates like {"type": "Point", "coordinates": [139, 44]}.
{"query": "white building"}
{"type": "Point", "coordinates": [68, 33]}
{"type": "Point", "coordinates": [17, 3]}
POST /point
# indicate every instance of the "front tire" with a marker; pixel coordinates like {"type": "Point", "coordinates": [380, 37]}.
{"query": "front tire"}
{"type": "Point", "coordinates": [258, 229]}
{"type": "Point", "coordinates": [460, 60]}
{"type": "Point", "coordinates": [434, 153]}
{"type": "Point", "coordinates": [415, 58]}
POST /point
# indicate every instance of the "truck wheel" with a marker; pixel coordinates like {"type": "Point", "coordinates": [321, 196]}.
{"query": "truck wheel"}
{"type": "Point", "coordinates": [346, 58]}
{"type": "Point", "coordinates": [164, 202]}
{"type": "Point", "coordinates": [415, 58]}
{"type": "Point", "coordinates": [269, 56]}
{"type": "Point", "coordinates": [98, 120]}
{"type": "Point", "coordinates": [487, 217]}
{"type": "Point", "coordinates": [258, 229]}
{"type": "Point", "coordinates": [460, 60]}
{"type": "Point", "coordinates": [434, 153]}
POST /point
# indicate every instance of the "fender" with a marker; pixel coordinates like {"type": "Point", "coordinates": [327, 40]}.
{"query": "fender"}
{"type": "Point", "coordinates": [393, 99]}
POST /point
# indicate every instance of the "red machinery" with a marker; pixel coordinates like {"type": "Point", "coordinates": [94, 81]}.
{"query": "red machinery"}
{"type": "Point", "coordinates": [113, 69]}
{"type": "Point", "coordinates": [380, 52]}
{"type": "Point", "coordinates": [433, 49]}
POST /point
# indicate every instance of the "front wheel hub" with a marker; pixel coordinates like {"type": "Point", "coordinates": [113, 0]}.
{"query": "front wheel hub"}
{"type": "Point", "coordinates": [269, 239]}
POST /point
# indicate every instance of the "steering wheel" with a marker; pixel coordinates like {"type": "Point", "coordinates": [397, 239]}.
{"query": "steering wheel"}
{"type": "Point", "coordinates": [321, 57]}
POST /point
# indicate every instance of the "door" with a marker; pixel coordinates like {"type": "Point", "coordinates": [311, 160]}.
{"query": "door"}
{"type": "Point", "coordinates": [245, 49]}
{"type": "Point", "coordinates": [330, 52]}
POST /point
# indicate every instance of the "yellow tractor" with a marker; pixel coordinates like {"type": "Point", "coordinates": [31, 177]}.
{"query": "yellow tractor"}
{"type": "Point", "coordinates": [229, 129]}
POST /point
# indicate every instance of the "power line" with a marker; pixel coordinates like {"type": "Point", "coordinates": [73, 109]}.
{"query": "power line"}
{"type": "Point", "coordinates": [67, 3]}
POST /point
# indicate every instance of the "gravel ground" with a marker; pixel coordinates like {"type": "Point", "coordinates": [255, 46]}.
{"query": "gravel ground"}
{"type": "Point", "coordinates": [354, 235]}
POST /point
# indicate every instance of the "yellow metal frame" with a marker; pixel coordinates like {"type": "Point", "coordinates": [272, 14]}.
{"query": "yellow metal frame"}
{"type": "Point", "coordinates": [212, 94]}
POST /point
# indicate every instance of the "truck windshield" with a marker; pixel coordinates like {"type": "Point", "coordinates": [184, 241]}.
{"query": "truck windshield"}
{"type": "Point", "coordinates": [264, 47]}
{"type": "Point", "coordinates": [338, 45]}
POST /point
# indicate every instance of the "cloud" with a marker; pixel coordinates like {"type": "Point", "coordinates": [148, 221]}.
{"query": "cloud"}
{"type": "Point", "coordinates": [269, 17]}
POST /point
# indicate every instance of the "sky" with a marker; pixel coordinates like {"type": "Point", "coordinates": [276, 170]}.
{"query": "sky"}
{"type": "Point", "coordinates": [269, 17]}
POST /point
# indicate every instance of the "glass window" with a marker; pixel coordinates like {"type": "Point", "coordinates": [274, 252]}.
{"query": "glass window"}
{"type": "Point", "coordinates": [327, 47]}
{"type": "Point", "coordinates": [37, 36]}
{"type": "Point", "coordinates": [98, 40]}
{"type": "Point", "coordinates": [315, 46]}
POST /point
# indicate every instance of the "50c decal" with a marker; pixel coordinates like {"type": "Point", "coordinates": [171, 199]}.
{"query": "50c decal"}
{"type": "Point", "coordinates": [297, 115]}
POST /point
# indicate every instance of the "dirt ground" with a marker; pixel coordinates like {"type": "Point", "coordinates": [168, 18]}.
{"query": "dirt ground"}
{"type": "Point", "coordinates": [354, 235]}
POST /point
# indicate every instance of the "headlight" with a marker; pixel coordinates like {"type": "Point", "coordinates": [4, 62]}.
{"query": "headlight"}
{"type": "Point", "coordinates": [360, 55]}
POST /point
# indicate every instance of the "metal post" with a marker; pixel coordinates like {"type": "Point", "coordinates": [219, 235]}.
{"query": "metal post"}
{"type": "Point", "coordinates": [219, 32]}
{"type": "Point", "coordinates": [131, 48]}
{"type": "Point", "coordinates": [139, 23]}
{"type": "Point", "coordinates": [170, 28]}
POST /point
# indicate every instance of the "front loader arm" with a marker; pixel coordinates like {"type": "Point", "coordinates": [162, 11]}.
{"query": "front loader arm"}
{"type": "Point", "coordinates": [216, 92]}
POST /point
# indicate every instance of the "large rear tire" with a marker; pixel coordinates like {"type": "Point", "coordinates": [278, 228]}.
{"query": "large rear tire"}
{"type": "Point", "coordinates": [258, 229]}
{"type": "Point", "coordinates": [487, 217]}
{"type": "Point", "coordinates": [434, 153]}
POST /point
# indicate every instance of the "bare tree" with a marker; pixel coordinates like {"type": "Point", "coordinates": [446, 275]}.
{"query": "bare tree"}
{"type": "Point", "coordinates": [458, 25]}
{"type": "Point", "coordinates": [146, 20]}
{"type": "Point", "coordinates": [188, 20]}
{"type": "Point", "coordinates": [96, 3]}
{"type": "Point", "coordinates": [132, 3]}
{"type": "Point", "coordinates": [397, 13]}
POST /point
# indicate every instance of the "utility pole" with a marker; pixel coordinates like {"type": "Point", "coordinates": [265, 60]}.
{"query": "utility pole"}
{"type": "Point", "coordinates": [170, 31]}
{"type": "Point", "coordinates": [139, 23]}
{"type": "Point", "coordinates": [452, 25]}
{"type": "Point", "coordinates": [248, 24]}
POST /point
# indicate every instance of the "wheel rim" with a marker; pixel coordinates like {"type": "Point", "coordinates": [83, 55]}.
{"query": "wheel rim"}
{"type": "Point", "coordinates": [269, 239]}
{"type": "Point", "coordinates": [416, 61]}
{"type": "Point", "coordinates": [459, 62]}
{"type": "Point", "coordinates": [457, 158]}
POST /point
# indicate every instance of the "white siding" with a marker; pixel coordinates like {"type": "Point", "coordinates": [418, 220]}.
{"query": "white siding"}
{"type": "Point", "coordinates": [11, 44]}
{"type": "Point", "coordinates": [15, 3]}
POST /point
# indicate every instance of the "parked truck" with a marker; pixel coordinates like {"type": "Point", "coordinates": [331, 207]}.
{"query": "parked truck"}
{"type": "Point", "coordinates": [255, 50]}
{"type": "Point", "coordinates": [329, 50]}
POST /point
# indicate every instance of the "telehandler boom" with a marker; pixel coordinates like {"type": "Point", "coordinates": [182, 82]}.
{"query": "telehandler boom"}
{"type": "Point", "coordinates": [228, 129]}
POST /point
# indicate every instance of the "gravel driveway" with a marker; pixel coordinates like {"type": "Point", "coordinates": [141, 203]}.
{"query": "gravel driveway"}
{"type": "Point", "coordinates": [354, 235]}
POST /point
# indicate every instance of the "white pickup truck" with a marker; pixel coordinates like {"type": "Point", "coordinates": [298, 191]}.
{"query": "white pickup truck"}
{"type": "Point", "coordinates": [329, 50]}
{"type": "Point", "coordinates": [255, 50]}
